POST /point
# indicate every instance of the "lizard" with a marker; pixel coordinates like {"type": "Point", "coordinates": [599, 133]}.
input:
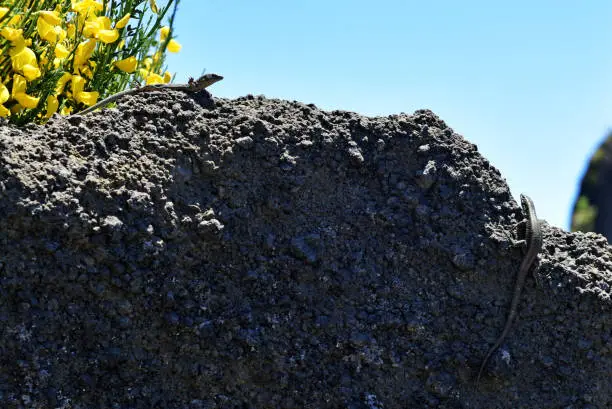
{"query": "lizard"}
{"type": "Point", "coordinates": [192, 86]}
{"type": "Point", "coordinates": [533, 241]}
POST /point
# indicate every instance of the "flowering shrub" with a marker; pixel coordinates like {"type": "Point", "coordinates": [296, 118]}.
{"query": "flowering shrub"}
{"type": "Point", "coordinates": [64, 55]}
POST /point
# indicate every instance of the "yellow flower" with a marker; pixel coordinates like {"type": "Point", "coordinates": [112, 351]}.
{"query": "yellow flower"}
{"type": "Point", "coordinates": [153, 78]}
{"type": "Point", "coordinates": [26, 100]}
{"type": "Point", "coordinates": [127, 65]}
{"type": "Point", "coordinates": [77, 83]}
{"type": "Point", "coordinates": [51, 33]}
{"type": "Point", "coordinates": [174, 46]}
{"type": "Point", "coordinates": [24, 61]}
{"type": "Point", "coordinates": [52, 105]}
{"type": "Point", "coordinates": [108, 36]}
{"type": "Point", "coordinates": [87, 98]}
{"type": "Point", "coordinates": [61, 83]}
{"type": "Point", "coordinates": [16, 19]}
{"type": "Point", "coordinates": [92, 26]}
{"type": "Point", "coordinates": [83, 53]}
{"type": "Point", "coordinates": [31, 72]}
{"type": "Point", "coordinates": [19, 93]}
{"type": "Point", "coordinates": [84, 97]}
{"type": "Point", "coordinates": [50, 17]}
{"type": "Point", "coordinates": [71, 30]}
{"type": "Point", "coordinates": [95, 24]}
{"type": "Point", "coordinates": [153, 6]}
{"type": "Point", "coordinates": [3, 11]}
{"type": "Point", "coordinates": [123, 21]}
{"type": "Point", "coordinates": [43, 60]}
{"type": "Point", "coordinates": [4, 94]}
{"type": "Point", "coordinates": [99, 27]}
{"type": "Point", "coordinates": [66, 110]}
{"type": "Point", "coordinates": [163, 32]}
{"type": "Point", "coordinates": [19, 84]}
{"type": "Point", "coordinates": [87, 7]}
{"type": "Point", "coordinates": [61, 51]}
{"type": "Point", "coordinates": [87, 72]}
{"type": "Point", "coordinates": [11, 34]}
{"type": "Point", "coordinates": [167, 77]}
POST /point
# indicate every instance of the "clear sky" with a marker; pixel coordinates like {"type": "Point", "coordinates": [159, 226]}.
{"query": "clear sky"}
{"type": "Point", "coordinates": [528, 82]}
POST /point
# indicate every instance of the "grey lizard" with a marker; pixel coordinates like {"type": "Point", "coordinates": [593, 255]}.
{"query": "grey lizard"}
{"type": "Point", "coordinates": [192, 86]}
{"type": "Point", "coordinates": [533, 239]}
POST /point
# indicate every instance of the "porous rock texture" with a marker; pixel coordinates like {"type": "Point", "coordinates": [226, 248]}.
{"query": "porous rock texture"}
{"type": "Point", "coordinates": [175, 252]}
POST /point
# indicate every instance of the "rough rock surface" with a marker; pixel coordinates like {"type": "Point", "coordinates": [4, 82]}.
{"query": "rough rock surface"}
{"type": "Point", "coordinates": [261, 253]}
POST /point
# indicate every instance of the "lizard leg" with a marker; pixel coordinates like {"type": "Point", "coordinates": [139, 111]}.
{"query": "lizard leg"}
{"type": "Point", "coordinates": [521, 241]}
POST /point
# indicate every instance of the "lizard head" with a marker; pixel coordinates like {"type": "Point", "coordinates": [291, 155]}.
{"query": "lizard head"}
{"type": "Point", "coordinates": [204, 81]}
{"type": "Point", "coordinates": [210, 79]}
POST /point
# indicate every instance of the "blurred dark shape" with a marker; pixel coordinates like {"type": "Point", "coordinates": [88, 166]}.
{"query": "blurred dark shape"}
{"type": "Point", "coordinates": [593, 206]}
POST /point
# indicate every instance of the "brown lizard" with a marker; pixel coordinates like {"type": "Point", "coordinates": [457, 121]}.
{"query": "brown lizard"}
{"type": "Point", "coordinates": [533, 239]}
{"type": "Point", "coordinates": [192, 86]}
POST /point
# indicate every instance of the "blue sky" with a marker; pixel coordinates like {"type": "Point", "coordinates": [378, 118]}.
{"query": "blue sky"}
{"type": "Point", "coordinates": [529, 82]}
